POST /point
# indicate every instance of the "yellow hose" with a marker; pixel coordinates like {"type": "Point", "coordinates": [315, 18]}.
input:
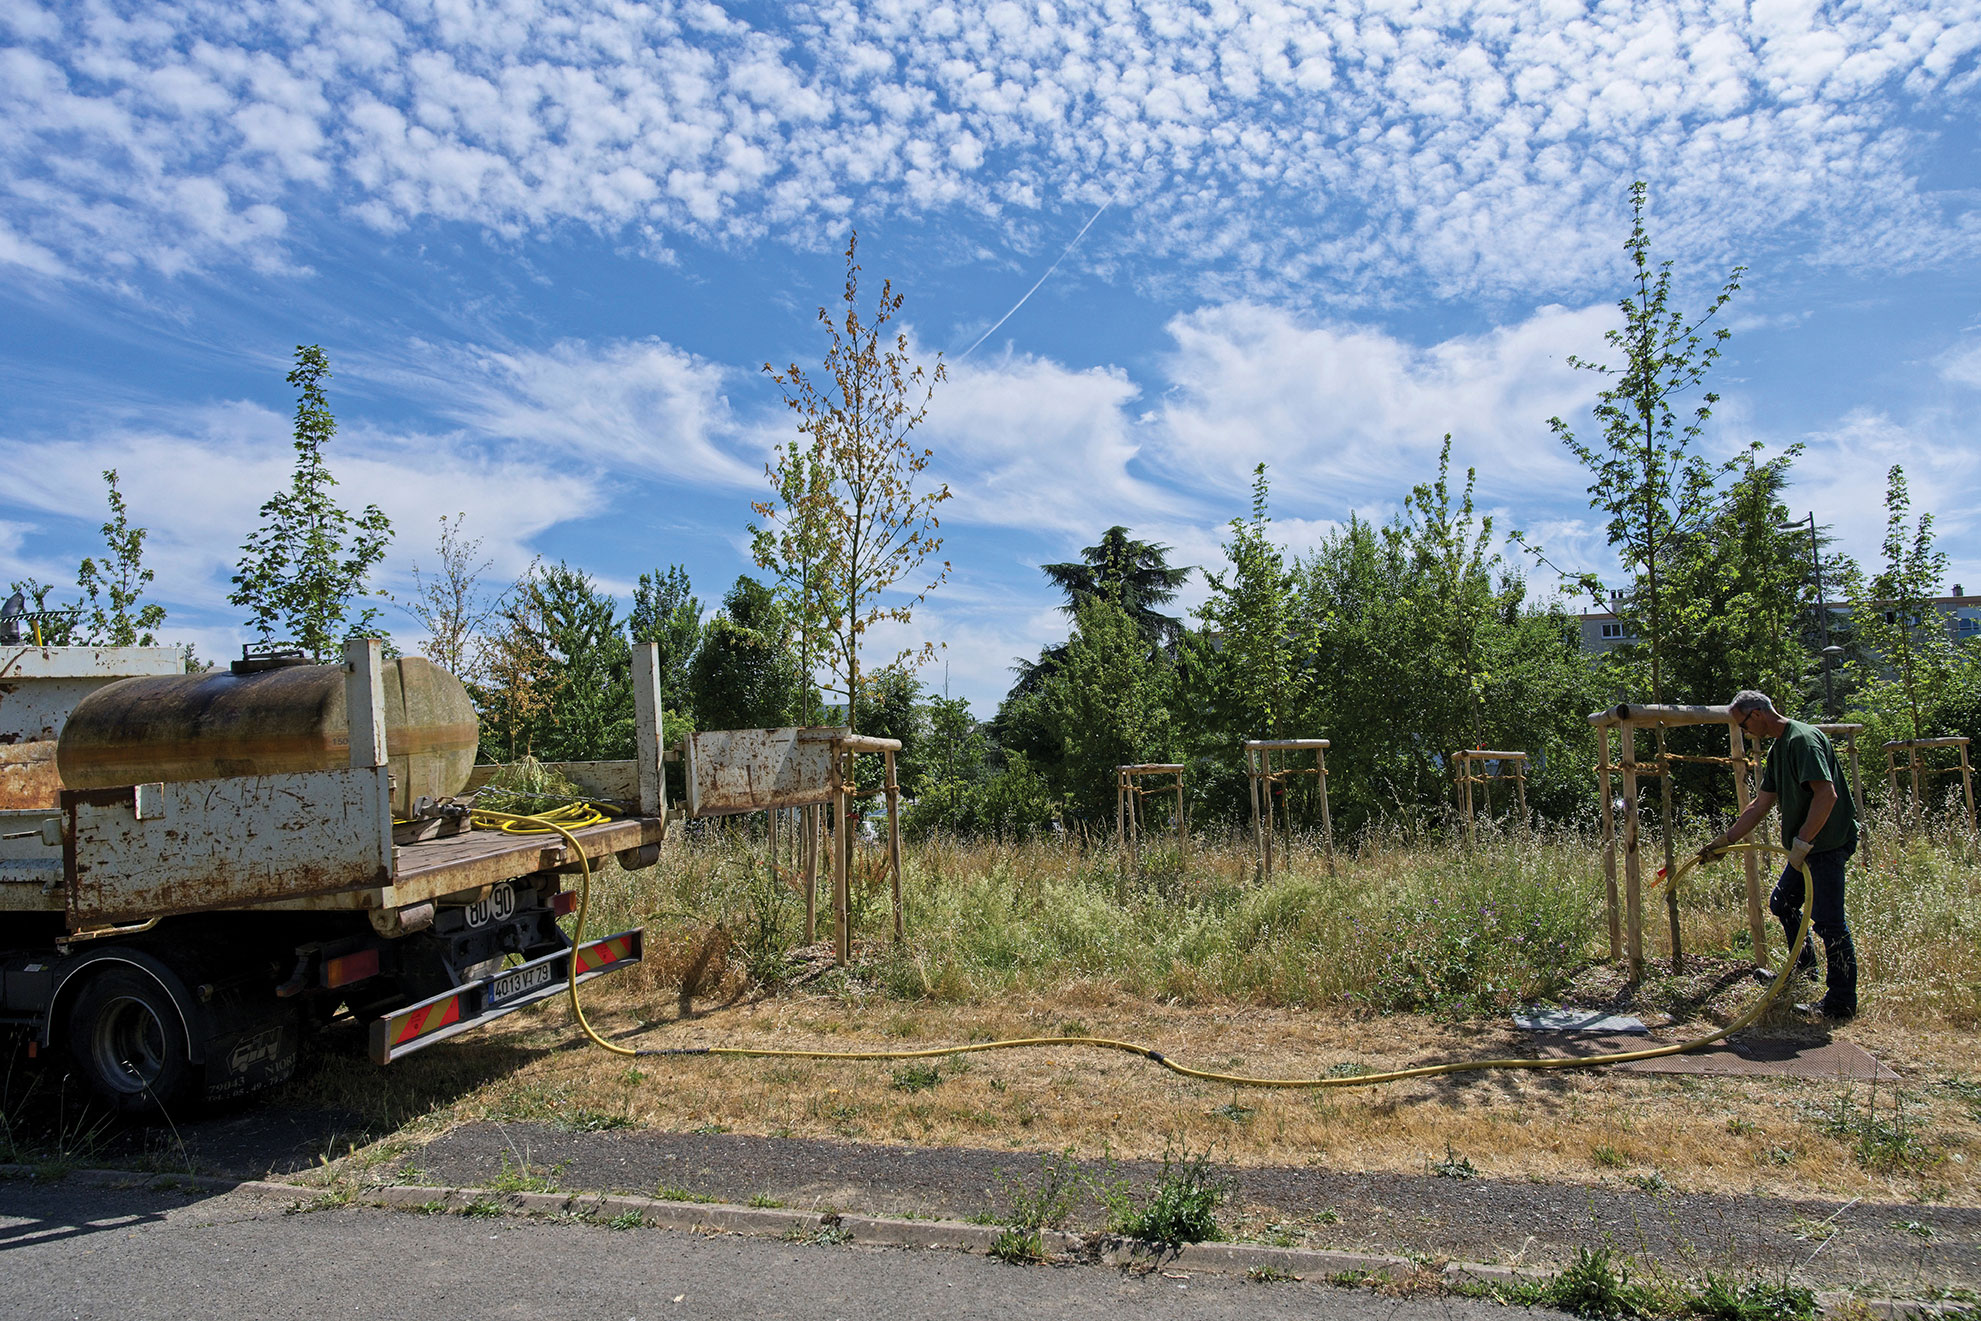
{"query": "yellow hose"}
{"type": "Point", "coordinates": [563, 821]}
{"type": "Point", "coordinates": [549, 823]}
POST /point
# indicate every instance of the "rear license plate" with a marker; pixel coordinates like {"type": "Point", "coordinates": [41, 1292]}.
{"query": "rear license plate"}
{"type": "Point", "coordinates": [520, 982]}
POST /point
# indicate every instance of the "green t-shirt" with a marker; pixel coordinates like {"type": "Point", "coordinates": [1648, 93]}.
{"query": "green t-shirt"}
{"type": "Point", "coordinates": [1800, 756]}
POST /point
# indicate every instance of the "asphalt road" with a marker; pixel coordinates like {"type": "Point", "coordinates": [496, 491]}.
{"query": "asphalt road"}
{"type": "Point", "coordinates": [75, 1250]}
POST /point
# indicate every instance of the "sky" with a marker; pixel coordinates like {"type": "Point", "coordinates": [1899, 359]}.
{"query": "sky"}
{"type": "Point", "coordinates": [549, 249]}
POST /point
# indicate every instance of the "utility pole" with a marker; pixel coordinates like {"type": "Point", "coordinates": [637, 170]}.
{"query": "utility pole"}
{"type": "Point", "coordinates": [1830, 652]}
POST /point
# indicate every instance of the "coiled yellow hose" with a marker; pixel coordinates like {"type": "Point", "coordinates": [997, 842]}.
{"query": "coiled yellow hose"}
{"type": "Point", "coordinates": [553, 822]}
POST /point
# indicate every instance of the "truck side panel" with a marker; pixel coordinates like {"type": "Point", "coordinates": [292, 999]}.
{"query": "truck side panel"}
{"type": "Point", "coordinates": [140, 852]}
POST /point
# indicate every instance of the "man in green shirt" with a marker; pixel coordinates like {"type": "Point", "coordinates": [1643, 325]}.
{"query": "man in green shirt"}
{"type": "Point", "coordinates": [1819, 827]}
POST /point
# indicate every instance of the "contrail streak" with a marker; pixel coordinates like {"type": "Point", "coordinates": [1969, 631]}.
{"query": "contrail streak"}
{"type": "Point", "coordinates": [1041, 280]}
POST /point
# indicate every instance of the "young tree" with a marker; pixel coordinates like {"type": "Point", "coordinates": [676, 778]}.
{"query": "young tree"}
{"type": "Point", "coordinates": [1448, 602]}
{"type": "Point", "coordinates": [451, 605]}
{"type": "Point", "coordinates": [515, 674]}
{"type": "Point", "coordinates": [859, 418]}
{"type": "Point", "coordinates": [795, 543]}
{"type": "Point", "coordinates": [111, 589]}
{"type": "Point", "coordinates": [1655, 486]}
{"type": "Point", "coordinates": [1108, 703]}
{"type": "Point", "coordinates": [304, 568]}
{"type": "Point", "coordinates": [667, 613]}
{"type": "Point", "coordinates": [1896, 620]}
{"type": "Point", "coordinates": [1264, 656]}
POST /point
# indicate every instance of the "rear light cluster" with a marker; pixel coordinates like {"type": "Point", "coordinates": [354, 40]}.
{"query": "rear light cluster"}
{"type": "Point", "coordinates": [564, 903]}
{"type": "Point", "coordinates": [348, 968]}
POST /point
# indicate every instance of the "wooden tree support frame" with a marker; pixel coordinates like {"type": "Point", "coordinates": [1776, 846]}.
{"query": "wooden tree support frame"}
{"type": "Point", "coordinates": [1627, 929]}
{"type": "Point", "coordinates": [1128, 796]}
{"type": "Point", "coordinates": [1469, 768]}
{"type": "Point", "coordinates": [809, 771]}
{"type": "Point", "coordinates": [1920, 772]}
{"type": "Point", "coordinates": [1261, 775]}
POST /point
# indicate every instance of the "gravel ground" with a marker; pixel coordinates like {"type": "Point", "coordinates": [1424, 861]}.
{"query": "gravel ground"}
{"type": "Point", "coordinates": [1864, 1244]}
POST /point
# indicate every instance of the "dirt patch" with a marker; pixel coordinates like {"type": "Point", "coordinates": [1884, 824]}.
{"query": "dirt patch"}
{"type": "Point", "coordinates": [1882, 1245]}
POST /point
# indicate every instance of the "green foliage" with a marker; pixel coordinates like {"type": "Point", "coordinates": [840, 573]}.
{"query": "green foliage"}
{"type": "Point", "coordinates": [917, 1077]}
{"type": "Point", "coordinates": [667, 613]}
{"type": "Point", "coordinates": [891, 706]}
{"type": "Point", "coordinates": [302, 573]}
{"type": "Point", "coordinates": [1015, 803]}
{"type": "Point", "coordinates": [795, 544]}
{"type": "Point", "coordinates": [1451, 1165]}
{"type": "Point", "coordinates": [1721, 1299]}
{"type": "Point", "coordinates": [111, 589]}
{"type": "Point", "coordinates": [1035, 1207]}
{"type": "Point", "coordinates": [1108, 704]}
{"type": "Point", "coordinates": [1596, 1286]}
{"type": "Point", "coordinates": [1135, 575]}
{"type": "Point", "coordinates": [1426, 653]}
{"type": "Point", "coordinates": [1179, 1207]}
{"type": "Point", "coordinates": [744, 675]}
{"type": "Point", "coordinates": [1263, 659]}
{"type": "Point", "coordinates": [450, 604]}
{"type": "Point", "coordinates": [1899, 626]}
{"type": "Point", "coordinates": [1494, 941]}
{"type": "Point", "coordinates": [1647, 473]}
{"type": "Point", "coordinates": [56, 631]}
{"type": "Point", "coordinates": [559, 676]}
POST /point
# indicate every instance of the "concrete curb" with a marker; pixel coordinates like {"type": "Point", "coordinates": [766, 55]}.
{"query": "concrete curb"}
{"type": "Point", "coordinates": [884, 1231]}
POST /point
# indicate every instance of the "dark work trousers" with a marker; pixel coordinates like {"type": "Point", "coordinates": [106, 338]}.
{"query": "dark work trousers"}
{"type": "Point", "coordinates": [1826, 918]}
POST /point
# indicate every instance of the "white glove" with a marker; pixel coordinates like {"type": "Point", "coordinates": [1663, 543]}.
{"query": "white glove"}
{"type": "Point", "coordinates": [1798, 852]}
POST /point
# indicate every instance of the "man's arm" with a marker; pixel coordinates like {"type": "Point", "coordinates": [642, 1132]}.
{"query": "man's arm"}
{"type": "Point", "coordinates": [1822, 798]}
{"type": "Point", "coordinates": [1764, 801]}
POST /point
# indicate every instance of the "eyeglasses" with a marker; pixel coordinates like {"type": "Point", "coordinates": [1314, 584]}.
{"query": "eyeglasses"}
{"type": "Point", "coordinates": [1741, 723]}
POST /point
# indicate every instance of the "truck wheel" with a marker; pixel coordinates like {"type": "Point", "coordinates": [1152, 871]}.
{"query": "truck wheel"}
{"type": "Point", "coordinates": [126, 1040]}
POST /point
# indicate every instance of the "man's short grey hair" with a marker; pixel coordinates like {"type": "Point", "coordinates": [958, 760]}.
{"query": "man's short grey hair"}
{"type": "Point", "coordinates": [1748, 700]}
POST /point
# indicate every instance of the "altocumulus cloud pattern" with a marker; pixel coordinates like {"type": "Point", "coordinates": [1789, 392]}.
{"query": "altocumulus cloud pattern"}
{"type": "Point", "coordinates": [1469, 147]}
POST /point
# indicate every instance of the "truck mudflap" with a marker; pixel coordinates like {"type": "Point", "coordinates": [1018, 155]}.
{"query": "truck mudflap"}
{"type": "Point", "coordinates": [469, 1006]}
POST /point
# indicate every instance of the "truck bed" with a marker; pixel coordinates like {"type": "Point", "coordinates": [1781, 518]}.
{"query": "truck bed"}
{"type": "Point", "coordinates": [428, 869]}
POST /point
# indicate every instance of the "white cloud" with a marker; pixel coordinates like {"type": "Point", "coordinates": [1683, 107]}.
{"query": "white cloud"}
{"type": "Point", "coordinates": [1277, 146]}
{"type": "Point", "coordinates": [198, 481]}
{"type": "Point", "coordinates": [1344, 414]}
{"type": "Point", "coordinates": [1962, 364]}
{"type": "Point", "coordinates": [630, 405]}
{"type": "Point", "coordinates": [1027, 442]}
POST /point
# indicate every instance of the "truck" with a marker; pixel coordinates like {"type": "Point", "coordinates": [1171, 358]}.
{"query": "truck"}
{"type": "Point", "coordinates": [196, 870]}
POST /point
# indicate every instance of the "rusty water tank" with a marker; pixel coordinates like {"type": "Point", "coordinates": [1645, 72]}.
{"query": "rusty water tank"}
{"type": "Point", "coordinates": [272, 722]}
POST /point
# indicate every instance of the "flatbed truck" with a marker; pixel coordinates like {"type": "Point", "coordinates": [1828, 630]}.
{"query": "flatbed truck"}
{"type": "Point", "coordinates": [174, 941]}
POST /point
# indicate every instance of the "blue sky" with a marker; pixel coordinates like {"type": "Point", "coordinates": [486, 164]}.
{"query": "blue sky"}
{"type": "Point", "coordinates": [548, 248]}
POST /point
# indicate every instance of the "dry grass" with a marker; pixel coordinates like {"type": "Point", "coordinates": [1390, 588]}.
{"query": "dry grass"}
{"type": "Point", "coordinates": [1039, 939]}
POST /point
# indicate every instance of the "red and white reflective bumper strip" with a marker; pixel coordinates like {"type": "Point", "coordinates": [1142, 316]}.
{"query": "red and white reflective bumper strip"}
{"type": "Point", "coordinates": [465, 1007]}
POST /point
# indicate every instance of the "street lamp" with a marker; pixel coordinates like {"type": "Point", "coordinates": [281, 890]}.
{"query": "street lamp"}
{"type": "Point", "coordinates": [1830, 652]}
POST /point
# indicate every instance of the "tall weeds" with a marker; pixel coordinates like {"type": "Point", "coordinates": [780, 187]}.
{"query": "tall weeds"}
{"type": "Point", "coordinates": [1402, 922]}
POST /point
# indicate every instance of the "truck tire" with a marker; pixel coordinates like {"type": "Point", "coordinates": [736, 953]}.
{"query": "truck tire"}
{"type": "Point", "coordinates": [127, 1042]}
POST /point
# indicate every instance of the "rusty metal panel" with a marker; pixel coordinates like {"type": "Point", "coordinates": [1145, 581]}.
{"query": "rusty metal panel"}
{"type": "Point", "coordinates": [151, 850]}
{"type": "Point", "coordinates": [28, 779]}
{"type": "Point", "coordinates": [748, 770]}
{"type": "Point", "coordinates": [617, 781]}
{"type": "Point", "coordinates": [98, 663]}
